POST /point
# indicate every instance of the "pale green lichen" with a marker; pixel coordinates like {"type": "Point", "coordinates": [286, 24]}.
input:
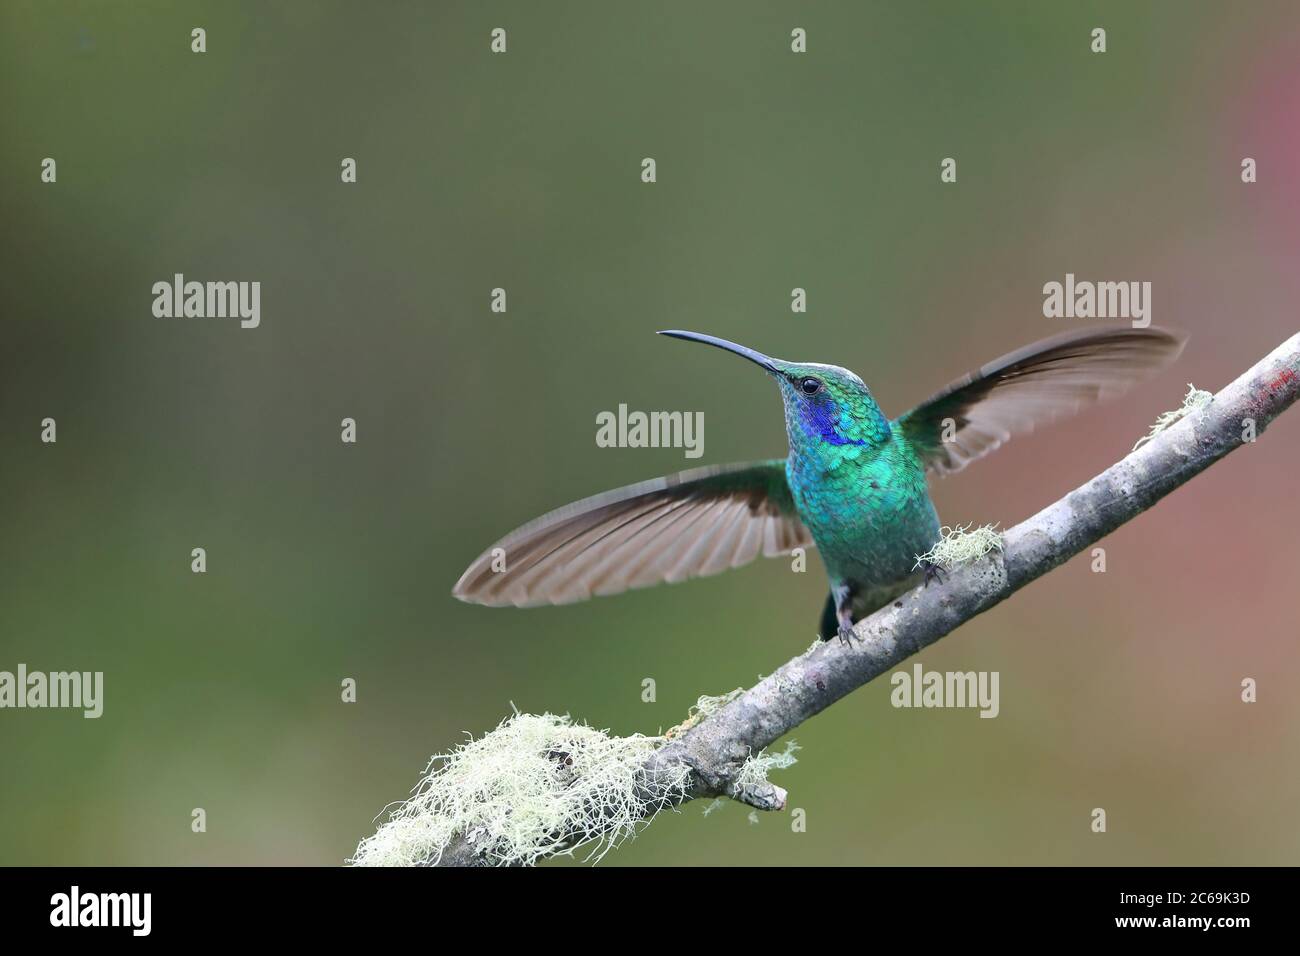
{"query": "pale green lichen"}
{"type": "Point", "coordinates": [702, 708]}
{"type": "Point", "coordinates": [753, 773]}
{"type": "Point", "coordinates": [1194, 400]}
{"type": "Point", "coordinates": [754, 770]}
{"type": "Point", "coordinates": [959, 545]}
{"type": "Point", "coordinates": [538, 785]}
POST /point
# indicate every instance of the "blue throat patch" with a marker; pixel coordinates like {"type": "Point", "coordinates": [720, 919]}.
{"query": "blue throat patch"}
{"type": "Point", "coordinates": [819, 420]}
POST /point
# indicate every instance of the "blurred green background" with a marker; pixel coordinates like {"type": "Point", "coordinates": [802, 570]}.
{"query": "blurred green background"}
{"type": "Point", "coordinates": [775, 170]}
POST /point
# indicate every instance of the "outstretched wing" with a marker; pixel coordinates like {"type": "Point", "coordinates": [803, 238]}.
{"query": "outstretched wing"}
{"type": "Point", "coordinates": [1031, 386]}
{"type": "Point", "coordinates": [682, 526]}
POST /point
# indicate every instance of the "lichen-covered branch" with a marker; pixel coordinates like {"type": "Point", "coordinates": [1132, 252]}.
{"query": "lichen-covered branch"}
{"type": "Point", "coordinates": [715, 747]}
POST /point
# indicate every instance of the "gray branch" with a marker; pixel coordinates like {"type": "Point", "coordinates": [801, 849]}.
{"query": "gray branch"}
{"type": "Point", "coordinates": [716, 747]}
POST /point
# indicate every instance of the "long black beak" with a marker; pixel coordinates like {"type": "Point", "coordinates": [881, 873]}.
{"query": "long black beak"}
{"type": "Point", "coordinates": [757, 358]}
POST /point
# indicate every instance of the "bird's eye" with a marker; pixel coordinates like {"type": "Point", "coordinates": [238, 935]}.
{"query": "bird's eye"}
{"type": "Point", "coordinates": [810, 386]}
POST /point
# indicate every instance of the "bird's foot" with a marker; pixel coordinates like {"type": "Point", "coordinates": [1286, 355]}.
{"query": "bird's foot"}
{"type": "Point", "coordinates": [848, 635]}
{"type": "Point", "coordinates": [932, 572]}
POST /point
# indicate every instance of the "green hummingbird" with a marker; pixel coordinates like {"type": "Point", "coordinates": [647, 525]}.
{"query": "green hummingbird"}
{"type": "Point", "coordinates": [854, 482]}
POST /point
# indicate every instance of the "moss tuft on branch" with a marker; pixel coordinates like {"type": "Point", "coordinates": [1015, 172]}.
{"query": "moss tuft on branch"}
{"type": "Point", "coordinates": [538, 785]}
{"type": "Point", "coordinates": [960, 545]}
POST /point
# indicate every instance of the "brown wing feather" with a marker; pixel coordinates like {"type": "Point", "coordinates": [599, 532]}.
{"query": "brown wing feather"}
{"type": "Point", "coordinates": [681, 526]}
{"type": "Point", "coordinates": [1031, 386]}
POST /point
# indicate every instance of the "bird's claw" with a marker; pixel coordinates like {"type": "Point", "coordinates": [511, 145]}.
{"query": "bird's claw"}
{"type": "Point", "coordinates": [932, 572]}
{"type": "Point", "coordinates": [848, 635]}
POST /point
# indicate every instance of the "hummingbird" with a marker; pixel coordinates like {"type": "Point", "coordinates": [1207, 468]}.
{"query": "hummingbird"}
{"type": "Point", "coordinates": [854, 484]}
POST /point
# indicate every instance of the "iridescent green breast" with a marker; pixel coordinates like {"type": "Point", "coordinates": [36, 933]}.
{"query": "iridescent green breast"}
{"type": "Point", "coordinates": [868, 508]}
